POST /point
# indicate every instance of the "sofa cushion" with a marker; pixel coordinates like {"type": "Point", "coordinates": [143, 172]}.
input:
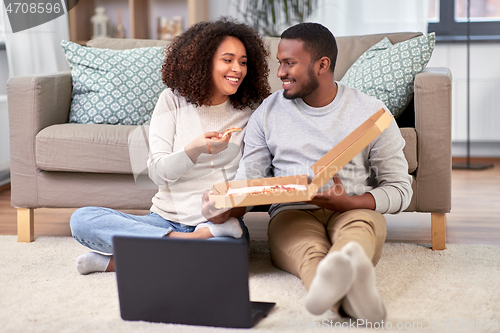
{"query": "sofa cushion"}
{"type": "Point", "coordinates": [102, 148]}
{"type": "Point", "coordinates": [114, 86]}
{"type": "Point", "coordinates": [410, 148]}
{"type": "Point", "coordinates": [89, 148]}
{"type": "Point", "coordinates": [125, 43]}
{"type": "Point", "coordinates": [387, 71]}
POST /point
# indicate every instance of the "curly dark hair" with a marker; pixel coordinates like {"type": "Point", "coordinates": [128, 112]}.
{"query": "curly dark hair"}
{"type": "Point", "coordinates": [318, 40]}
{"type": "Point", "coordinates": [187, 68]}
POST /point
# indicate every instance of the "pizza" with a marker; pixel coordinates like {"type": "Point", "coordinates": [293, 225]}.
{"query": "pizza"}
{"type": "Point", "coordinates": [226, 132]}
{"type": "Point", "coordinates": [252, 190]}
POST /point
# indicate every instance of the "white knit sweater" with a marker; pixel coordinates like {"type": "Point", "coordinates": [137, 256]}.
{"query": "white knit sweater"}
{"type": "Point", "coordinates": [174, 124]}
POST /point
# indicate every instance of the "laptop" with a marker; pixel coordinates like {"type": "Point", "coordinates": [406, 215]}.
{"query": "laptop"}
{"type": "Point", "coordinates": [193, 282]}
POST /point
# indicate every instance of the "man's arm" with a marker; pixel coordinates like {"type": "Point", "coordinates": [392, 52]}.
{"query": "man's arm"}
{"type": "Point", "coordinates": [393, 191]}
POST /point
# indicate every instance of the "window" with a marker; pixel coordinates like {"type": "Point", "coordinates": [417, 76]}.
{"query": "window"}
{"type": "Point", "coordinates": [2, 29]}
{"type": "Point", "coordinates": [448, 18]}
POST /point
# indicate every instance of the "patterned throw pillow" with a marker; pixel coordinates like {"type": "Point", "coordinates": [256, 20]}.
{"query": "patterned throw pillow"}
{"type": "Point", "coordinates": [114, 86]}
{"type": "Point", "coordinates": [387, 71]}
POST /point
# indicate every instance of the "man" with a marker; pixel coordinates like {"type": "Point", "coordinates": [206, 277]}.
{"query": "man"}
{"type": "Point", "coordinates": [332, 242]}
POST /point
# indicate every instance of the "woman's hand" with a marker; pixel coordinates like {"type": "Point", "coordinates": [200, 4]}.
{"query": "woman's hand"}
{"type": "Point", "coordinates": [207, 143]}
{"type": "Point", "coordinates": [212, 214]}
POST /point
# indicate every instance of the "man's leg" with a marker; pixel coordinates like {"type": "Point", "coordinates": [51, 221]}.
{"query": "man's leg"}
{"type": "Point", "coordinates": [364, 226]}
{"type": "Point", "coordinates": [298, 242]}
{"type": "Point", "coordinates": [360, 234]}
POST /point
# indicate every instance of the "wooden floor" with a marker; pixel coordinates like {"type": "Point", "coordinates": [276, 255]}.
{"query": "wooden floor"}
{"type": "Point", "coordinates": [474, 219]}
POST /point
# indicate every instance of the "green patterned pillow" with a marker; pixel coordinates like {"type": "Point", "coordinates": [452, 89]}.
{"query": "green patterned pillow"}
{"type": "Point", "coordinates": [114, 86]}
{"type": "Point", "coordinates": [387, 71]}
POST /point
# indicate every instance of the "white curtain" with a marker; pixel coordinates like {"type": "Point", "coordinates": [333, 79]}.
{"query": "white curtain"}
{"type": "Point", "coordinates": [36, 50]}
{"type": "Point", "coordinates": [361, 17]}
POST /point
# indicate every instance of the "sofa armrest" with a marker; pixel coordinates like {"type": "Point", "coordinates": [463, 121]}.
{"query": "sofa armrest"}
{"type": "Point", "coordinates": [433, 127]}
{"type": "Point", "coordinates": [34, 102]}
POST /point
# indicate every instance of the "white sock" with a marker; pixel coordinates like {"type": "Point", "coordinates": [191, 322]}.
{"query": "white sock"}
{"type": "Point", "coordinates": [363, 301]}
{"type": "Point", "coordinates": [230, 228]}
{"type": "Point", "coordinates": [92, 262]}
{"type": "Point", "coordinates": [334, 278]}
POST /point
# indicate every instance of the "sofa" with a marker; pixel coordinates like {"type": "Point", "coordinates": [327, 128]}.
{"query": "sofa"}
{"type": "Point", "coordinates": [56, 164]}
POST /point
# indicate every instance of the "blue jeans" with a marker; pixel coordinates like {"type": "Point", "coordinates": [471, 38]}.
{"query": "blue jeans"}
{"type": "Point", "coordinates": [94, 227]}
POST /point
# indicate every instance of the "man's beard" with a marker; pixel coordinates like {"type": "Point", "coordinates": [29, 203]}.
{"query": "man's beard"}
{"type": "Point", "coordinates": [311, 85]}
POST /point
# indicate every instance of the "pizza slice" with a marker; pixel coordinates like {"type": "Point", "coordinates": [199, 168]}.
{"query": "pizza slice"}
{"type": "Point", "coordinates": [226, 132]}
{"type": "Point", "coordinates": [266, 189]}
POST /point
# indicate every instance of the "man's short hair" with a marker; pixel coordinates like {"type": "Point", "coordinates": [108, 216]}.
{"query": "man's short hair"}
{"type": "Point", "coordinates": [318, 40]}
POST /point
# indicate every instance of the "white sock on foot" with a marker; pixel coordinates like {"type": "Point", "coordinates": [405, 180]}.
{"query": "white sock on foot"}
{"type": "Point", "coordinates": [334, 278]}
{"type": "Point", "coordinates": [92, 262]}
{"type": "Point", "coordinates": [230, 228]}
{"type": "Point", "coordinates": [363, 301]}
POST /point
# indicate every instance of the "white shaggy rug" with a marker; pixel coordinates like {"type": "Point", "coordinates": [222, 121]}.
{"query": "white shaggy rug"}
{"type": "Point", "coordinates": [455, 290]}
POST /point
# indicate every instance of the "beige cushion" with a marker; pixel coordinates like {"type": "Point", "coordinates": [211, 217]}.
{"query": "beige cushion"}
{"type": "Point", "coordinates": [410, 149]}
{"type": "Point", "coordinates": [124, 44]}
{"type": "Point", "coordinates": [88, 148]}
{"type": "Point", "coordinates": [121, 149]}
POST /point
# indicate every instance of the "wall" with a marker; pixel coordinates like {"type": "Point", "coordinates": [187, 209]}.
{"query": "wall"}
{"type": "Point", "coordinates": [218, 8]}
{"type": "Point", "coordinates": [4, 72]}
{"type": "Point", "coordinates": [4, 121]}
{"type": "Point", "coordinates": [484, 94]}
{"type": "Point", "coordinates": [4, 118]}
{"type": "Point", "coordinates": [4, 142]}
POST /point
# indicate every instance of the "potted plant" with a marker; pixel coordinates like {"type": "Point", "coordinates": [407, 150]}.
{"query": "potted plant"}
{"type": "Point", "coordinates": [271, 17]}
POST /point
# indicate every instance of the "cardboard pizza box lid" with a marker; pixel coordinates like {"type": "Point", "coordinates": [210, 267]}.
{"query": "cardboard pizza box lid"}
{"type": "Point", "coordinates": [334, 160]}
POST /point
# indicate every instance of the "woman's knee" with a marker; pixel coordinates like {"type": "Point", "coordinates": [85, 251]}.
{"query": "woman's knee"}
{"type": "Point", "coordinates": [80, 218]}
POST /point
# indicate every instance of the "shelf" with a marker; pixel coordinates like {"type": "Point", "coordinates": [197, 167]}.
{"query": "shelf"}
{"type": "Point", "coordinates": [139, 18]}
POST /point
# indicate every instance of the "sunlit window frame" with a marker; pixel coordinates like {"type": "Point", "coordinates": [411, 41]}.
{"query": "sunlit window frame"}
{"type": "Point", "coordinates": [447, 29]}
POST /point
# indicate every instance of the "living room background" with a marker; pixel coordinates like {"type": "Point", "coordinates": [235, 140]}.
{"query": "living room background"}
{"type": "Point", "coordinates": [4, 118]}
{"type": "Point", "coordinates": [347, 17]}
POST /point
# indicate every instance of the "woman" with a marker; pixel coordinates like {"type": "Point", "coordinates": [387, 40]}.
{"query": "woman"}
{"type": "Point", "coordinates": [216, 74]}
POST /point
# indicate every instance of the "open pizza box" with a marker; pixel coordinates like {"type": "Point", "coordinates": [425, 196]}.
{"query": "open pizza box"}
{"type": "Point", "coordinates": [324, 170]}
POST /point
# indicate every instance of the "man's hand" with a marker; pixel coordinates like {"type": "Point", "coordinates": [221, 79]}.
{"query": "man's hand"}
{"type": "Point", "coordinates": [336, 199]}
{"type": "Point", "coordinates": [212, 214]}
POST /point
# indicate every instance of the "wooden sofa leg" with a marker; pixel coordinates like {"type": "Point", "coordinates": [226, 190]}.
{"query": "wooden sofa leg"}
{"type": "Point", "coordinates": [438, 228]}
{"type": "Point", "coordinates": [25, 225]}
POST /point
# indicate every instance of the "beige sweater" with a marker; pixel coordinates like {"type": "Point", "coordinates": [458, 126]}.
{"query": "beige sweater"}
{"type": "Point", "coordinates": [174, 124]}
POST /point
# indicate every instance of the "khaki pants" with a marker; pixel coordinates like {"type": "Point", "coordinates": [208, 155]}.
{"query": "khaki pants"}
{"type": "Point", "coordinates": [299, 239]}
